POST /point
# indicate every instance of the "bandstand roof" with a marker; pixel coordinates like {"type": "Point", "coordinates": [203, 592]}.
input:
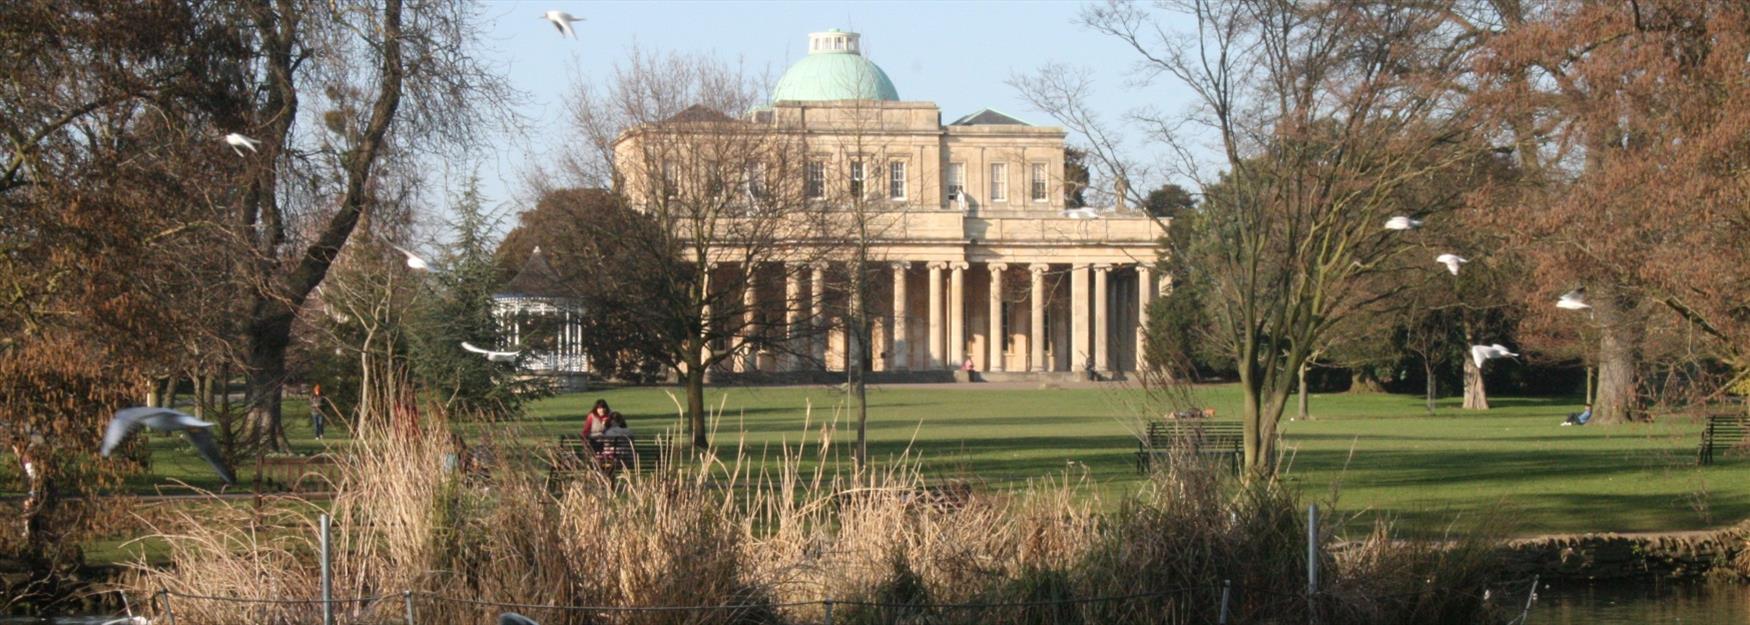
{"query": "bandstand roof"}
{"type": "Point", "coordinates": [536, 278]}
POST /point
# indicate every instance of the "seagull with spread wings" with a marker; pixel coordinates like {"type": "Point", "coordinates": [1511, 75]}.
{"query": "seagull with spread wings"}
{"type": "Point", "coordinates": [239, 142]}
{"type": "Point", "coordinates": [127, 421]}
{"type": "Point", "coordinates": [1573, 300]}
{"type": "Point", "coordinates": [1485, 353]}
{"type": "Point", "coordinates": [1452, 261]}
{"type": "Point", "coordinates": [491, 355]}
{"type": "Point", "coordinates": [413, 260]}
{"type": "Point", "coordinates": [562, 21]}
{"type": "Point", "coordinates": [1402, 222]}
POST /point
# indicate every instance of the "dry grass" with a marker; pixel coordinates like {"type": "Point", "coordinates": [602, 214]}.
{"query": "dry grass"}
{"type": "Point", "coordinates": [775, 543]}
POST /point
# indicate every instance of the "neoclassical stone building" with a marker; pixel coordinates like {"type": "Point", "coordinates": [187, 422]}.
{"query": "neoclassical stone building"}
{"type": "Point", "coordinates": [983, 263]}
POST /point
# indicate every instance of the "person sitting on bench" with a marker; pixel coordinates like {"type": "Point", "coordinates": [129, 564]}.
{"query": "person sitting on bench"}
{"type": "Point", "coordinates": [616, 443]}
{"type": "Point", "coordinates": [1579, 418]}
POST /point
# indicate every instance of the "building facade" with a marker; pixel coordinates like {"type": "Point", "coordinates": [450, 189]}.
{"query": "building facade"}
{"type": "Point", "coordinates": [983, 264]}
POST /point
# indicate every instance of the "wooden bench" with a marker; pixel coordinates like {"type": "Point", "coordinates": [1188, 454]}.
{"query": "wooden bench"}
{"type": "Point", "coordinates": [1193, 437]}
{"type": "Point", "coordinates": [1723, 432]}
{"type": "Point", "coordinates": [617, 454]}
{"type": "Point", "coordinates": [299, 474]}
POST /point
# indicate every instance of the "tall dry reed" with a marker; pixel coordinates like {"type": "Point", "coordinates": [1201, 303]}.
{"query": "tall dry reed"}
{"type": "Point", "coordinates": [770, 539]}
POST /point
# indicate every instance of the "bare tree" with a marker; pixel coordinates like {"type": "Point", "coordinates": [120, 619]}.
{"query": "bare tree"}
{"type": "Point", "coordinates": [343, 97]}
{"type": "Point", "coordinates": [1624, 118]}
{"type": "Point", "coordinates": [712, 209]}
{"type": "Point", "coordinates": [1322, 113]}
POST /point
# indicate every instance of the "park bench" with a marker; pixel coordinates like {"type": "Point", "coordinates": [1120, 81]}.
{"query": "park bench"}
{"type": "Point", "coordinates": [298, 474]}
{"type": "Point", "coordinates": [1198, 438]}
{"type": "Point", "coordinates": [1723, 432]}
{"type": "Point", "coordinates": [618, 454]}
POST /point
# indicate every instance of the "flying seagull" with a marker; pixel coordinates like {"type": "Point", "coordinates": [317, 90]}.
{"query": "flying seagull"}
{"type": "Point", "coordinates": [491, 355]}
{"type": "Point", "coordinates": [1485, 353]}
{"type": "Point", "coordinates": [1081, 213]}
{"type": "Point", "coordinates": [1573, 300]}
{"type": "Point", "coordinates": [413, 260]}
{"type": "Point", "coordinates": [237, 141]}
{"type": "Point", "coordinates": [512, 618]}
{"type": "Point", "coordinates": [1452, 261]}
{"type": "Point", "coordinates": [562, 21]}
{"type": "Point", "coordinates": [128, 420]}
{"type": "Point", "coordinates": [1402, 222]}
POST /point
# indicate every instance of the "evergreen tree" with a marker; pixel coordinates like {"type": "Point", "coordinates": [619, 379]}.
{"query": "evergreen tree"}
{"type": "Point", "coordinates": [459, 309]}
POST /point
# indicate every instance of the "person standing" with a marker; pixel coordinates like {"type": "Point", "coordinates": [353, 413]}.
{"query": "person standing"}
{"type": "Point", "coordinates": [316, 416]}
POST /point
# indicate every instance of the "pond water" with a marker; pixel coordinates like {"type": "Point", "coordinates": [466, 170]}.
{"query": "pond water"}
{"type": "Point", "coordinates": [1557, 604]}
{"type": "Point", "coordinates": [1641, 603]}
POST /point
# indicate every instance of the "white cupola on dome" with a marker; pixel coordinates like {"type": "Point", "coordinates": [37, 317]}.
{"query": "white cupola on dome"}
{"type": "Point", "coordinates": [833, 41]}
{"type": "Point", "coordinates": [834, 69]}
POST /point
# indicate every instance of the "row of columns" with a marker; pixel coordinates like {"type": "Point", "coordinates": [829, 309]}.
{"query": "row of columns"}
{"type": "Point", "coordinates": [947, 315]}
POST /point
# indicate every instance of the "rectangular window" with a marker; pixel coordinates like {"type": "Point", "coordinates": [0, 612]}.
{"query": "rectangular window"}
{"type": "Point", "coordinates": [1039, 183]}
{"type": "Point", "coordinates": [896, 180]}
{"type": "Point", "coordinates": [754, 181]}
{"type": "Point", "coordinates": [956, 181]}
{"type": "Point", "coordinates": [999, 182]}
{"type": "Point", "coordinates": [816, 180]}
{"type": "Point", "coordinates": [856, 179]}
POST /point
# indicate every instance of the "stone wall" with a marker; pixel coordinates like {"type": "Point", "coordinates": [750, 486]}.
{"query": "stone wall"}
{"type": "Point", "coordinates": [1679, 555]}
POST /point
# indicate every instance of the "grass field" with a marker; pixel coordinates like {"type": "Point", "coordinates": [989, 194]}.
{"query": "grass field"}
{"type": "Point", "coordinates": [1381, 454]}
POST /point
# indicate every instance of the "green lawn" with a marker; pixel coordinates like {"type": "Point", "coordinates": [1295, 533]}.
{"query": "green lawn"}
{"type": "Point", "coordinates": [1382, 453]}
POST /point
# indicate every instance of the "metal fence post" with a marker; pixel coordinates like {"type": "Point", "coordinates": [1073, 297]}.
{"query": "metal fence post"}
{"type": "Point", "coordinates": [828, 612]}
{"type": "Point", "coordinates": [1312, 560]}
{"type": "Point", "coordinates": [1226, 587]}
{"type": "Point", "coordinates": [169, 614]}
{"type": "Point", "coordinates": [407, 603]}
{"type": "Point", "coordinates": [1529, 599]}
{"type": "Point", "coordinates": [327, 576]}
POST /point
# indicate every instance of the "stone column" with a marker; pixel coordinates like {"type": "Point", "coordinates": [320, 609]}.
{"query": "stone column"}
{"type": "Point", "coordinates": [817, 314]}
{"type": "Point", "coordinates": [1080, 353]}
{"type": "Point", "coordinates": [1036, 335]}
{"type": "Point", "coordinates": [936, 329]}
{"type": "Point", "coordinates": [956, 314]}
{"type": "Point", "coordinates": [901, 349]}
{"type": "Point", "coordinates": [793, 319]}
{"type": "Point", "coordinates": [1145, 296]}
{"type": "Point", "coordinates": [996, 317]}
{"type": "Point", "coordinates": [1102, 320]}
{"type": "Point", "coordinates": [746, 358]}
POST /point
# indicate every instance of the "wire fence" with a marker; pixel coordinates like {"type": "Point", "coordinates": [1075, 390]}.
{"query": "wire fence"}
{"type": "Point", "coordinates": [1201, 604]}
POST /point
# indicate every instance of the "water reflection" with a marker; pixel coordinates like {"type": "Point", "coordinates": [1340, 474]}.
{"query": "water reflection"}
{"type": "Point", "coordinates": [1558, 604]}
{"type": "Point", "coordinates": [1641, 603]}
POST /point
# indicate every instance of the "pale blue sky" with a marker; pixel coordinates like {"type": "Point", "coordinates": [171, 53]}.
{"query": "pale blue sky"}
{"type": "Point", "coordinates": [956, 54]}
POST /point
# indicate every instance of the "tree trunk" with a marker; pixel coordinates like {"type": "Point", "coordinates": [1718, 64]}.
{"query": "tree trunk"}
{"type": "Point", "coordinates": [696, 406]}
{"type": "Point", "coordinates": [1362, 380]}
{"type": "Point", "coordinates": [1251, 410]}
{"type": "Point", "coordinates": [1476, 396]}
{"type": "Point", "coordinates": [269, 335]}
{"type": "Point", "coordinates": [857, 344]}
{"type": "Point", "coordinates": [1300, 380]}
{"type": "Point", "coordinates": [1260, 414]}
{"type": "Point", "coordinates": [1432, 384]}
{"type": "Point", "coordinates": [1615, 401]}
{"type": "Point", "coordinates": [1619, 339]}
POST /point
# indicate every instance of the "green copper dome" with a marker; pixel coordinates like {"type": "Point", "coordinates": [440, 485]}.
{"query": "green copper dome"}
{"type": "Point", "coordinates": [834, 70]}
